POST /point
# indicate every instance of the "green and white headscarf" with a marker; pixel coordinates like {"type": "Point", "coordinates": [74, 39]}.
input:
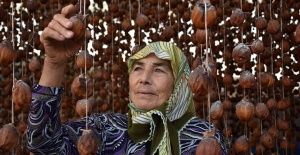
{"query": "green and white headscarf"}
{"type": "Point", "coordinates": [162, 125]}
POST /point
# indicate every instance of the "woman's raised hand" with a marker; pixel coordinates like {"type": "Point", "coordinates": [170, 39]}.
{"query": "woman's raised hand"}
{"type": "Point", "coordinates": [59, 45]}
{"type": "Point", "coordinates": [57, 37]}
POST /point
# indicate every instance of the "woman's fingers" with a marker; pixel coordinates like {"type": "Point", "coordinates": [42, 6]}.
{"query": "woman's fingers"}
{"type": "Point", "coordinates": [49, 33]}
{"type": "Point", "coordinates": [68, 11]}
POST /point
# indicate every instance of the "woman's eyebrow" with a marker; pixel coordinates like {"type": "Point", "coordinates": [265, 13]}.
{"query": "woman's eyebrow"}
{"type": "Point", "coordinates": [157, 64]}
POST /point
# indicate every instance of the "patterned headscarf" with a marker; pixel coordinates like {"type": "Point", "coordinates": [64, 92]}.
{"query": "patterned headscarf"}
{"type": "Point", "coordinates": [168, 119]}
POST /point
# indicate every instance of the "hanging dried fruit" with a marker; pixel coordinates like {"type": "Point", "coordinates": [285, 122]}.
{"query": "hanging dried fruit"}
{"type": "Point", "coordinates": [266, 79]}
{"type": "Point", "coordinates": [247, 80]}
{"type": "Point", "coordinates": [141, 20]}
{"type": "Point", "coordinates": [88, 143]}
{"type": "Point", "coordinates": [237, 17]}
{"type": "Point", "coordinates": [216, 110]}
{"type": "Point", "coordinates": [209, 144]}
{"type": "Point", "coordinates": [84, 107]}
{"type": "Point", "coordinates": [81, 87]}
{"type": "Point", "coordinates": [199, 82]}
{"type": "Point", "coordinates": [282, 124]}
{"type": "Point", "coordinates": [126, 24]}
{"type": "Point", "coordinates": [244, 110]}
{"type": "Point", "coordinates": [7, 54]}
{"type": "Point", "coordinates": [21, 93]}
{"type": "Point", "coordinates": [297, 33]}
{"type": "Point", "coordinates": [198, 14]}
{"type": "Point", "coordinates": [274, 132]}
{"type": "Point", "coordinates": [32, 5]}
{"type": "Point", "coordinates": [261, 23]}
{"type": "Point", "coordinates": [273, 26]}
{"type": "Point", "coordinates": [267, 140]}
{"type": "Point", "coordinates": [257, 46]}
{"type": "Point", "coordinates": [84, 60]}
{"type": "Point", "coordinates": [35, 66]}
{"type": "Point", "coordinates": [8, 137]}
{"type": "Point", "coordinates": [241, 53]}
{"type": "Point", "coordinates": [261, 110]}
{"type": "Point", "coordinates": [241, 144]}
{"type": "Point", "coordinates": [79, 26]}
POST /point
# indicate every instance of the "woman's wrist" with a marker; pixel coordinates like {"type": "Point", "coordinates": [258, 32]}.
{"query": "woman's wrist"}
{"type": "Point", "coordinates": [52, 74]}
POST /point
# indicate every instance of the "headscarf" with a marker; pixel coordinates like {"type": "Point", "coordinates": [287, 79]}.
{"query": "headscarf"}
{"type": "Point", "coordinates": [163, 124]}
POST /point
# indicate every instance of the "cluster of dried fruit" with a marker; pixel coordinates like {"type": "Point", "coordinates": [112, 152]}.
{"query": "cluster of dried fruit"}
{"type": "Point", "coordinates": [245, 64]}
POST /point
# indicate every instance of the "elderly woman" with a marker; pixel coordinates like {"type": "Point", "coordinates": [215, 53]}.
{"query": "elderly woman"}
{"type": "Point", "coordinates": [161, 119]}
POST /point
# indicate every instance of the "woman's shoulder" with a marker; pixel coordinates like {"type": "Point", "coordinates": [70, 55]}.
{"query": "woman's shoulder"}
{"type": "Point", "coordinates": [198, 126]}
{"type": "Point", "coordinates": [199, 123]}
{"type": "Point", "coordinates": [117, 120]}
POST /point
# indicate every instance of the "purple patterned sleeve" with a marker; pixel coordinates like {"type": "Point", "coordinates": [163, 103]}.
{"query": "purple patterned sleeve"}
{"type": "Point", "coordinates": [44, 131]}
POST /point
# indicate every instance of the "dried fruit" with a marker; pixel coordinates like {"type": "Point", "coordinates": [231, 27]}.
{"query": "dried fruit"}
{"type": "Point", "coordinates": [79, 26]}
{"type": "Point", "coordinates": [168, 32]}
{"type": "Point", "coordinates": [126, 24]}
{"type": "Point", "coordinates": [84, 60]}
{"type": "Point", "coordinates": [84, 107]}
{"type": "Point", "coordinates": [266, 79]}
{"type": "Point", "coordinates": [88, 143]}
{"type": "Point", "coordinates": [282, 124]}
{"type": "Point", "coordinates": [209, 145]}
{"type": "Point", "coordinates": [9, 137]}
{"type": "Point", "coordinates": [274, 132]}
{"type": "Point", "coordinates": [237, 17]}
{"type": "Point", "coordinates": [261, 110]}
{"type": "Point", "coordinates": [297, 33]}
{"type": "Point", "coordinates": [7, 54]}
{"type": "Point", "coordinates": [261, 23]}
{"type": "Point", "coordinates": [35, 66]}
{"type": "Point", "coordinates": [199, 82]}
{"type": "Point", "coordinates": [81, 87]}
{"type": "Point", "coordinates": [32, 5]}
{"type": "Point", "coordinates": [247, 80]}
{"type": "Point", "coordinates": [241, 145]}
{"type": "Point", "coordinates": [227, 105]}
{"type": "Point", "coordinates": [273, 26]}
{"type": "Point", "coordinates": [267, 140]}
{"type": "Point", "coordinates": [257, 46]}
{"type": "Point", "coordinates": [21, 93]}
{"type": "Point", "coordinates": [241, 53]}
{"type": "Point", "coordinates": [198, 14]}
{"type": "Point", "coordinates": [244, 110]}
{"type": "Point", "coordinates": [272, 104]}
{"type": "Point", "coordinates": [216, 110]}
{"type": "Point", "coordinates": [141, 20]}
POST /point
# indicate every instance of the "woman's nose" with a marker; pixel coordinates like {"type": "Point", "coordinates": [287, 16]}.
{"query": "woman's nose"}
{"type": "Point", "coordinates": [145, 77]}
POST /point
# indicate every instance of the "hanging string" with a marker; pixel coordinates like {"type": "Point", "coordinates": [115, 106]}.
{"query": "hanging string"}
{"type": "Point", "coordinates": [85, 69]}
{"type": "Point", "coordinates": [206, 60]}
{"type": "Point", "coordinates": [112, 62]}
{"type": "Point", "coordinates": [13, 64]}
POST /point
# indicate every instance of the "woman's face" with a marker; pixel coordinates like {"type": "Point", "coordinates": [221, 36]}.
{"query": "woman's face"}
{"type": "Point", "coordinates": [151, 82]}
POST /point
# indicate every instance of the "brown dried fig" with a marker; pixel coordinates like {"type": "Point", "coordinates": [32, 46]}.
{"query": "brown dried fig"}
{"type": "Point", "coordinates": [9, 137]}
{"type": "Point", "coordinates": [79, 26]}
{"type": "Point", "coordinates": [244, 110]}
{"type": "Point", "coordinates": [81, 87]}
{"type": "Point", "coordinates": [198, 14]}
{"type": "Point", "coordinates": [241, 145]}
{"type": "Point", "coordinates": [88, 143]}
{"type": "Point", "coordinates": [7, 54]}
{"type": "Point", "coordinates": [216, 110]}
{"type": "Point", "coordinates": [247, 80]}
{"type": "Point", "coordinates": [209, 145]}
{"type": "Point", "coordinates": [21, 93]}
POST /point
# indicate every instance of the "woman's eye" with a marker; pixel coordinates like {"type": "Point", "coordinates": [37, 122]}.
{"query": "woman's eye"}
{"type": "Point", "coordinates": [137, 68]}
{"type": "Point", "coordinates": [159, 70]}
